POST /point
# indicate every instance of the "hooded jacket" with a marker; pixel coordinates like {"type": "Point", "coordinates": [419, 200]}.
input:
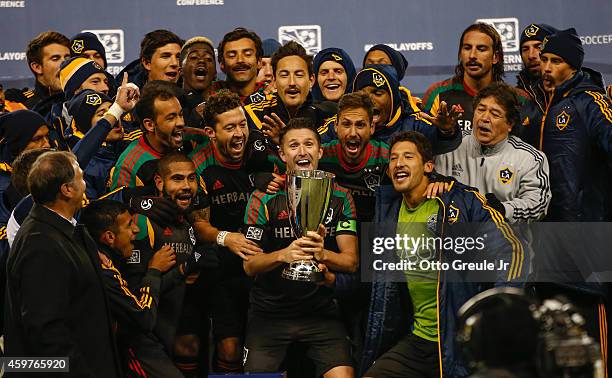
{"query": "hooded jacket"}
{"type": "Point", "coordinates": [16, 131]}
{"type": "Point", "coordinates": [136, 74]}
{"type": "Point", "coordinates": [404, 111]}
{"type": "Point", "coordinates": [335, 55]}
{"type": "Point", "coordinates": [398, 60]}
{"type": "Point", "coordinates": [573, 128]}
{"type": "Point", "coordinates": [96, 172]}
{"type": "Point", "coordinates": [73, 73]}
{"type": "Point", "coordinates": [390, 312]}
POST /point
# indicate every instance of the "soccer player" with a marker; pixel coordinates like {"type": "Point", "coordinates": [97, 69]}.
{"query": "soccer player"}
{"type": "Point", "coordinates": [285, 312]}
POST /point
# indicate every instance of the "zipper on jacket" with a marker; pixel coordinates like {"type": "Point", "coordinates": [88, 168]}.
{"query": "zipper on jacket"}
{"type": "Point", "coordinates": [544, 121]}
{"type": "Point", "coordinates": [482, 161]}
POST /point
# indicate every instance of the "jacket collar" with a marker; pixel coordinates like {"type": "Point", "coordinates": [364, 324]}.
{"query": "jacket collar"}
{"type": "Point", "coordinates": [486, 150]}
{"type": "Point", "coordinates": [285, 116]}
{"type": "Point", "coordinates": [528, 83]}
{"type": "Point", "coordinates": [388, 201]}
{"type": "Point", "coordinates": [111, 253]}
{"type": "Point", "coordinates": [568, 85]}
{"type": "Point", "coordinates": [45, 215]}
{"type": "Point", "coordinates": [41, 90]}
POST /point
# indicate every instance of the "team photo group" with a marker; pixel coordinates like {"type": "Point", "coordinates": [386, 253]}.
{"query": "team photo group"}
{"type": "Point", "coordinates": [242, 207]}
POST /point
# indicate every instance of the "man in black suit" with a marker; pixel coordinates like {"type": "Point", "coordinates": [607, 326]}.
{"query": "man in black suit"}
{"type": "Point", "coordinates": [56, 304]}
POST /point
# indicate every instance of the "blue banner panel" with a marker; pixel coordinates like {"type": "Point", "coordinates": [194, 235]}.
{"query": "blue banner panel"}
{"type": "Point", "coordinates": [426, 32]}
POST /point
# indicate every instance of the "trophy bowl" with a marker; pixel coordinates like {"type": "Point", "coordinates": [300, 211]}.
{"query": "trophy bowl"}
{"type": "Point", "coordinates": [308, 196]}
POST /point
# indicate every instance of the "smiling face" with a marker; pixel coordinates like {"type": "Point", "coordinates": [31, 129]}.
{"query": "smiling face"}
{"type": "Point", "coordinates": [199, 68]}
{"type": "Point", "coordinates": [164, 64]}
{"type": "Point", "coordinates": [166, 130]}
{"type": "Point", "coordinates": [127, 230]}
{"type": "Point", "coordinates": [477, 55]}
{"type": "Point", "coordinates": [178, 184]}
{"type": "Point", "coordinates": [300, 149]}
{"type": "Point", "coordinates": [490, 123]}
{"type": "Point", "coordinates": [332, 80]}
{"type": "Point", "coordinates": [407, 169]}
{"type": "Point", "coordinates": [354, 131]}
{"type": "Point", "coordinates": [230, 134]}
{"type": "Point", "coordinates": [292, 81]}
{"type": "Point", "coordinates": [381, 99]}
{"type": "Point", "coordinates": [240, 62]}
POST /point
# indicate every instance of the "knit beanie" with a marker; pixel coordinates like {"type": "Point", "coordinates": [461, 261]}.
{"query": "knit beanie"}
{"type": "Point", "coordinates": [87, 41]}
{"type": "Point", "coordinates": [567, 45]}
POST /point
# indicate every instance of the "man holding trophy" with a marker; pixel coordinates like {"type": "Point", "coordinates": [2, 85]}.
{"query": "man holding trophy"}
{"type": "Point", "coordinates": [305, 230]}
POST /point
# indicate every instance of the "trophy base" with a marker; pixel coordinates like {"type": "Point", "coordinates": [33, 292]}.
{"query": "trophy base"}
{"type": "Point", "coordinates": [304, 270]}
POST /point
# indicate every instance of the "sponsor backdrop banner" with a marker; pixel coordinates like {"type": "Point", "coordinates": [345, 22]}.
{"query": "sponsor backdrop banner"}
{"type": "Point", "coordinates": [426, 32]}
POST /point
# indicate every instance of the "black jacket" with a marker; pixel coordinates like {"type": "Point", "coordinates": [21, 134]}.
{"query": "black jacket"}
{"type": "Point", "coordinates": [135, 311]}
{"type": "Point", "coordinates": [573, 127]}
{"type": "Point", "coordinates": [56, 305]}
{"type": "Point", "coordinates": [29, 98]}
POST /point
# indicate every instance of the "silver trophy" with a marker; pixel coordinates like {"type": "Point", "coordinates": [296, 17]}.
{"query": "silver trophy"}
{"type": "Point", "coordinates": [308, 196]}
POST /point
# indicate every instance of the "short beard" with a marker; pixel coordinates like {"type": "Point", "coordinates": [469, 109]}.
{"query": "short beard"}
{"type": "Point", "coordinates": [533, 75]}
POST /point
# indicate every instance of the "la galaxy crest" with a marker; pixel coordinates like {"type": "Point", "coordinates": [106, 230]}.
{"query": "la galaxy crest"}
{"type": "Point", "coordinates": [93, 99]}
{"type": "Point", "coordinates": [77, 46]}
{"type": "Point", "coordinates": [453, 214]}
{"type": "Point", "coordinates": [505, 174]}
{"type": "Point", "coordinates": [562, 120]}
{"type": "Point", "coordinates": [532, 30]}
{"type": "Point", "coordinates": [257, 97]}
{"type": "Point", "coordinates": [378, 79]}
{"type": "Point", "coordinates": [372, 180]}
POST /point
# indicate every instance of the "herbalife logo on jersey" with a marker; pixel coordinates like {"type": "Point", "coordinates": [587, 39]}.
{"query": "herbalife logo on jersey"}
{"type": "Point", "coordinates": [309, 36]}
{"type": "Point", "coordinates": [113, 42]}
{"type": "Point", "coordinates": [508, 29]}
